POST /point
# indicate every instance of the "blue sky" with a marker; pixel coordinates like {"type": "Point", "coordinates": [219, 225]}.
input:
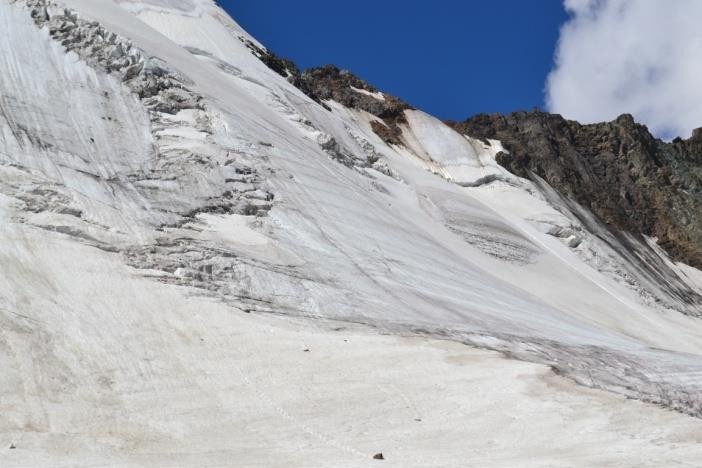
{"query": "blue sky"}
{"type": "Point", "coordinates": [451, 58]}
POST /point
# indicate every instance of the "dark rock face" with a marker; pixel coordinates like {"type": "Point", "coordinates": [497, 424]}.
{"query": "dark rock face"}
{"type": "Point", "coordinates": [630, 180]}
{"type": "Point", "coordinates": [282, 66]}
{"type": "Point", "coordinates": [331, 83]}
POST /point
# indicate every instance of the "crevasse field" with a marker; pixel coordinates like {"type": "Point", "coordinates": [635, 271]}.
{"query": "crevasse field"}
{"type": "Point", "coordinates": [200, 266]}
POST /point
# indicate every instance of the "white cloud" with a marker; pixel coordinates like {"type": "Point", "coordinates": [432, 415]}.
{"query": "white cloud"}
{"type": "Point", "coordinates": [642, 57]}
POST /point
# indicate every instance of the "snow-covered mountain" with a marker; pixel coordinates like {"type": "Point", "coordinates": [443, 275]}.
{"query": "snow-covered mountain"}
{"type": "Point", "coordinates": [211, 259]}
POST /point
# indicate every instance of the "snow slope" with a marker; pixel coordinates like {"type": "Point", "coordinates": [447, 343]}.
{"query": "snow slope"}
{"type": "Point", "coordinates": [157, 181]}
{"type": "Point", "coordinates": [103, 368]}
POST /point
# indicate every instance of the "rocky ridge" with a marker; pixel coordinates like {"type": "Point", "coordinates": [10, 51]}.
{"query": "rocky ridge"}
{"type": "Point", "coordinates": [632, 181]}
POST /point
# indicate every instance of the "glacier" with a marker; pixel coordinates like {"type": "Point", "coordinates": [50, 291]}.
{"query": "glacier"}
{"type": "Point", "coordinates": [202, 266]}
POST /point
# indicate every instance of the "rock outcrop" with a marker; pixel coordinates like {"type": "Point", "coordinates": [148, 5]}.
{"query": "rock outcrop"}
{"type": "Point", "coordinates": [629, 179]}
{"type": "Point", "coordinates": [329, 82]}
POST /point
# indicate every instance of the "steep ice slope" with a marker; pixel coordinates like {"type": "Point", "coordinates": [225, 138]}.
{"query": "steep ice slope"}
{"type": "Point", "coordinates": [180, 157]}
{"type": "Point", "coordinates": [422, 126]}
